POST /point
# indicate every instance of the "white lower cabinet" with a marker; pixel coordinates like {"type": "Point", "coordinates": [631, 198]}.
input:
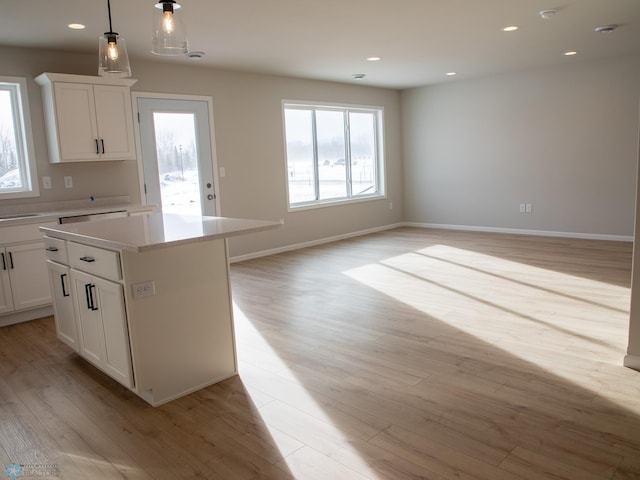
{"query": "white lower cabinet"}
{"type": "Point", "coordinates": [103, 337]}
{"type": "Point", "coordinates": [23, 283]}
{"type": "Point", "coordinates": [64, 315]}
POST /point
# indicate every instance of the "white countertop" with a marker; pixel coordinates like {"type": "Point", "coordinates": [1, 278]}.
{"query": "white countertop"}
{"type": "Point", "coordinates": [54, 215]}
{"type": "Point", "coordinates": [156, 230]}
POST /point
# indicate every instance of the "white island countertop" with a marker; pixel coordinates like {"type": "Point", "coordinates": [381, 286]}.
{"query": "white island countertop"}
{"type": "Point", "coordinates": [156, 230]}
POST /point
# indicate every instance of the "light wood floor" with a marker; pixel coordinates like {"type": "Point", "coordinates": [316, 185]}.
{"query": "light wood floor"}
{"type": "Point", "coordinates": [401, 355]}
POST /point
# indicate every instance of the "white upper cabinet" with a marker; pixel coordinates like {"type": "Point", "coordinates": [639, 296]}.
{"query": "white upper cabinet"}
{"type": "Point", "coordinates": [87, 118]}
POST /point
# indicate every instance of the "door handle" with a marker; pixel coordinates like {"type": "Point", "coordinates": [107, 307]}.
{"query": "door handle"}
{"type": "Point", "coordinates": [97, 147]}
{"type": "Point", "coordinates": [102, 141]}
{"type": "Point", "coordinates": [4, 263]}
{"type": "Point", "coordinates": [11, 260]}
{"type": "Point", "coordinates": [87, 259]}
{"type": "Point", "coordinates": [51, 249]}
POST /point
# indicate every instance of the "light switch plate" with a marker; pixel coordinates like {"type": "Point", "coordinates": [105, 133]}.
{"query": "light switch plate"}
{"type": "Point", "coordinates": [46, 183]}
{"type": "Point", "coordinates": [68, 182]}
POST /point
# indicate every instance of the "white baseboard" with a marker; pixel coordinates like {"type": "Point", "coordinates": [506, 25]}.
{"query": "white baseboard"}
{"type": "Point", "coordinates": [312, 243]}
{"type": "Point", "coordinates": [25, 316]}
{"type": "Point", "coordinates": [519, 231]}
{"type": "Point", "coordinates": [516, 231]}
{"type": "Point", "coordinates": [632, 361]}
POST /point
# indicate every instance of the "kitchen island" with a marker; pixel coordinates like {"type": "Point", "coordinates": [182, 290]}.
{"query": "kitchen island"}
{"type": "Point", "coordinates": [147, 299]}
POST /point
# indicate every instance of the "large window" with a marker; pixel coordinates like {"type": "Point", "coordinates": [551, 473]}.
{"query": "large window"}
{"type": "Point", "coordinates": [17, 162]}
{"type": "Point", "coordinates": [334, 153]}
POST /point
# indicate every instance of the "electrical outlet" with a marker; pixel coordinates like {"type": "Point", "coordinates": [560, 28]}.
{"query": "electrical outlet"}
{"type": "Point", "coordinates": [68, 182]}
{"type": "Point", "coordinates": [523, 208]}
{"type": "Point", "coordinates": [223, 172]}
{"type": "Point", "coordinates": [528, 208]}
{"type": "Point", "coordinates": [144, 289]}
{"type": "Point", "coordinates": [390, 205]}
{"type": "Point", "coordinates": [46, 183]}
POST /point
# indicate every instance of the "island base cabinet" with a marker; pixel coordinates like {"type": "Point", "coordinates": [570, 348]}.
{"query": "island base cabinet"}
{"type": "Point", "coordinates": [181, 336]}
{"type": "Point", "coordinates": [103, 336]}
{"type": "Point", "coordinates": [63, 313]}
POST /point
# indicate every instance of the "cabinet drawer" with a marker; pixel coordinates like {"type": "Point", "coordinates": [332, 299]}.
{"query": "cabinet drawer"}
{"type": "Point", "coordinates": [56, 250]}
{"type": "Point", "coordinates": [100, 262]}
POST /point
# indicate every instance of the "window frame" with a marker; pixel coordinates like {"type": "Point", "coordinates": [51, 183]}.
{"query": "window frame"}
{"type": "Point", "coordinates": [17, 86]}
{"type": "Point", "coordinates": [379, 161]}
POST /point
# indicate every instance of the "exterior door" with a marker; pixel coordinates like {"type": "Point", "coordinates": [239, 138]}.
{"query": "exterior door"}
{"type": "Point", "coordinates": [177, 154]}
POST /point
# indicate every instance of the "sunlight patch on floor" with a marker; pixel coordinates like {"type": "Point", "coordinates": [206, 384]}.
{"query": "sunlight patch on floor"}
{"type": "Point", "coordinates": [485, 296]}
{"type": "Point", "coordinates": [311, 443]}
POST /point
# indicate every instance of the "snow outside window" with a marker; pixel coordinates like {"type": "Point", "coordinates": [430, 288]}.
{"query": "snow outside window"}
{"type": "Point", "coordinates": [17, 161]}
{"type": "Point", "coordinates": [333, 154]}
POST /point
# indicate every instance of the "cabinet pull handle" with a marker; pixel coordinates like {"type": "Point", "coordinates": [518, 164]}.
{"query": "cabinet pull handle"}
{"type": "Point", "coordinates": [87, 259]}
{"type": "Point", "coordinates": [102, 141]}
{"type": "Point", "coordinates": [4, 263]}
{"type": "Point", "coordinates": [64, 288]}
{"type": "Point", "coordinates": [97, 147]}
{"type": "Point", "coordinates": [11, 260]}
{"type": "Point", "coordinates": [88, 291]}
{"type": "Point", "coordinates": [51, 249]}
{"type": "Point", "coordinates": [94, 307]}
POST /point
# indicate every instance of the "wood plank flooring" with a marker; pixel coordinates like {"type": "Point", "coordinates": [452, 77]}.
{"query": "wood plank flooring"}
{"type": "Point", "coordinates": [406, 354]}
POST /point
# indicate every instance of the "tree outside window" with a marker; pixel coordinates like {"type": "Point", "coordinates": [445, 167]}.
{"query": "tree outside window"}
{"type": "Point", "coordinates": [17, 163]}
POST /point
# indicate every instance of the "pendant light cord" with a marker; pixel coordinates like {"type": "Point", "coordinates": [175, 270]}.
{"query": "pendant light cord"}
{"type": "Point", "coordinates": [109, 10]}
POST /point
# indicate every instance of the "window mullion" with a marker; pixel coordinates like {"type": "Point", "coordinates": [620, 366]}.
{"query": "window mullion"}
{"type": "Point", "coordinates": [316, 172]}
{"type": "Point", "coordinates": [347, 153]}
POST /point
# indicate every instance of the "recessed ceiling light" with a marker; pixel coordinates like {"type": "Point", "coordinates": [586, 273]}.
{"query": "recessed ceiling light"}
{"type": "Point", "coordinates": [606, 28]}
{"type": "Point", "coordinates": [547, 14]}
{"type": "Point", "coordinates": [451, 74]}
{"type": "Point", "coordinates": [570, 53]}
{"type": "Point", "coordinates": [511, 28]}
{"type": "Point", "coordinates": [374, 59]}
{"type": "Point", "coordinates": [76, 26]}
{"type": "Point", "coordinates": [195, 55]}
{"type": "Point", "coordinates": [358, 76]}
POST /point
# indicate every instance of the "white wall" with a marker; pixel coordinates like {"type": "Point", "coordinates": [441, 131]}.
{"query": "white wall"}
{"type": "Point", "coordinates": [250, 146]}
{"type": "Point", "coordinates": [563, 139]}
{"type": "Point", "coordinates": [249, 141]}
{"type": "Point", "coordinates": [97, 179]}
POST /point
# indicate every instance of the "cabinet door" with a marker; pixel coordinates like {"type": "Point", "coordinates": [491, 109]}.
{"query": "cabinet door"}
{"type": "Point", "coordinates": [117, 360]}
{"type": "Point", "coordinates": [90, 335]}
{"type": "Point", "coordinates": [63, 304]}
{"type": "Point", "coordinates": [78, 138]}
{"type": "Point", "coordinates": [115, 122]}
{"type": "Point", "coordinates": [28, 273]}
{"type": "Point", "coordinates": [6, 301]}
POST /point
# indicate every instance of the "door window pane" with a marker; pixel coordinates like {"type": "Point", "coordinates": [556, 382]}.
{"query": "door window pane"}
{"type": "Point", "coordinates": [177, 162]}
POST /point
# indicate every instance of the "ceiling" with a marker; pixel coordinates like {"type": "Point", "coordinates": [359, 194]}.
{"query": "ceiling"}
{"type": "Point", "coordinates": [419, 40]}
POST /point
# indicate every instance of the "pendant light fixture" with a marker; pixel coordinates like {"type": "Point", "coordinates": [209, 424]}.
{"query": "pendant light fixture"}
{"type": "Point", "coordinates": [113, 60]}
{"type": "Point", "coordinates": [169, 32]}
